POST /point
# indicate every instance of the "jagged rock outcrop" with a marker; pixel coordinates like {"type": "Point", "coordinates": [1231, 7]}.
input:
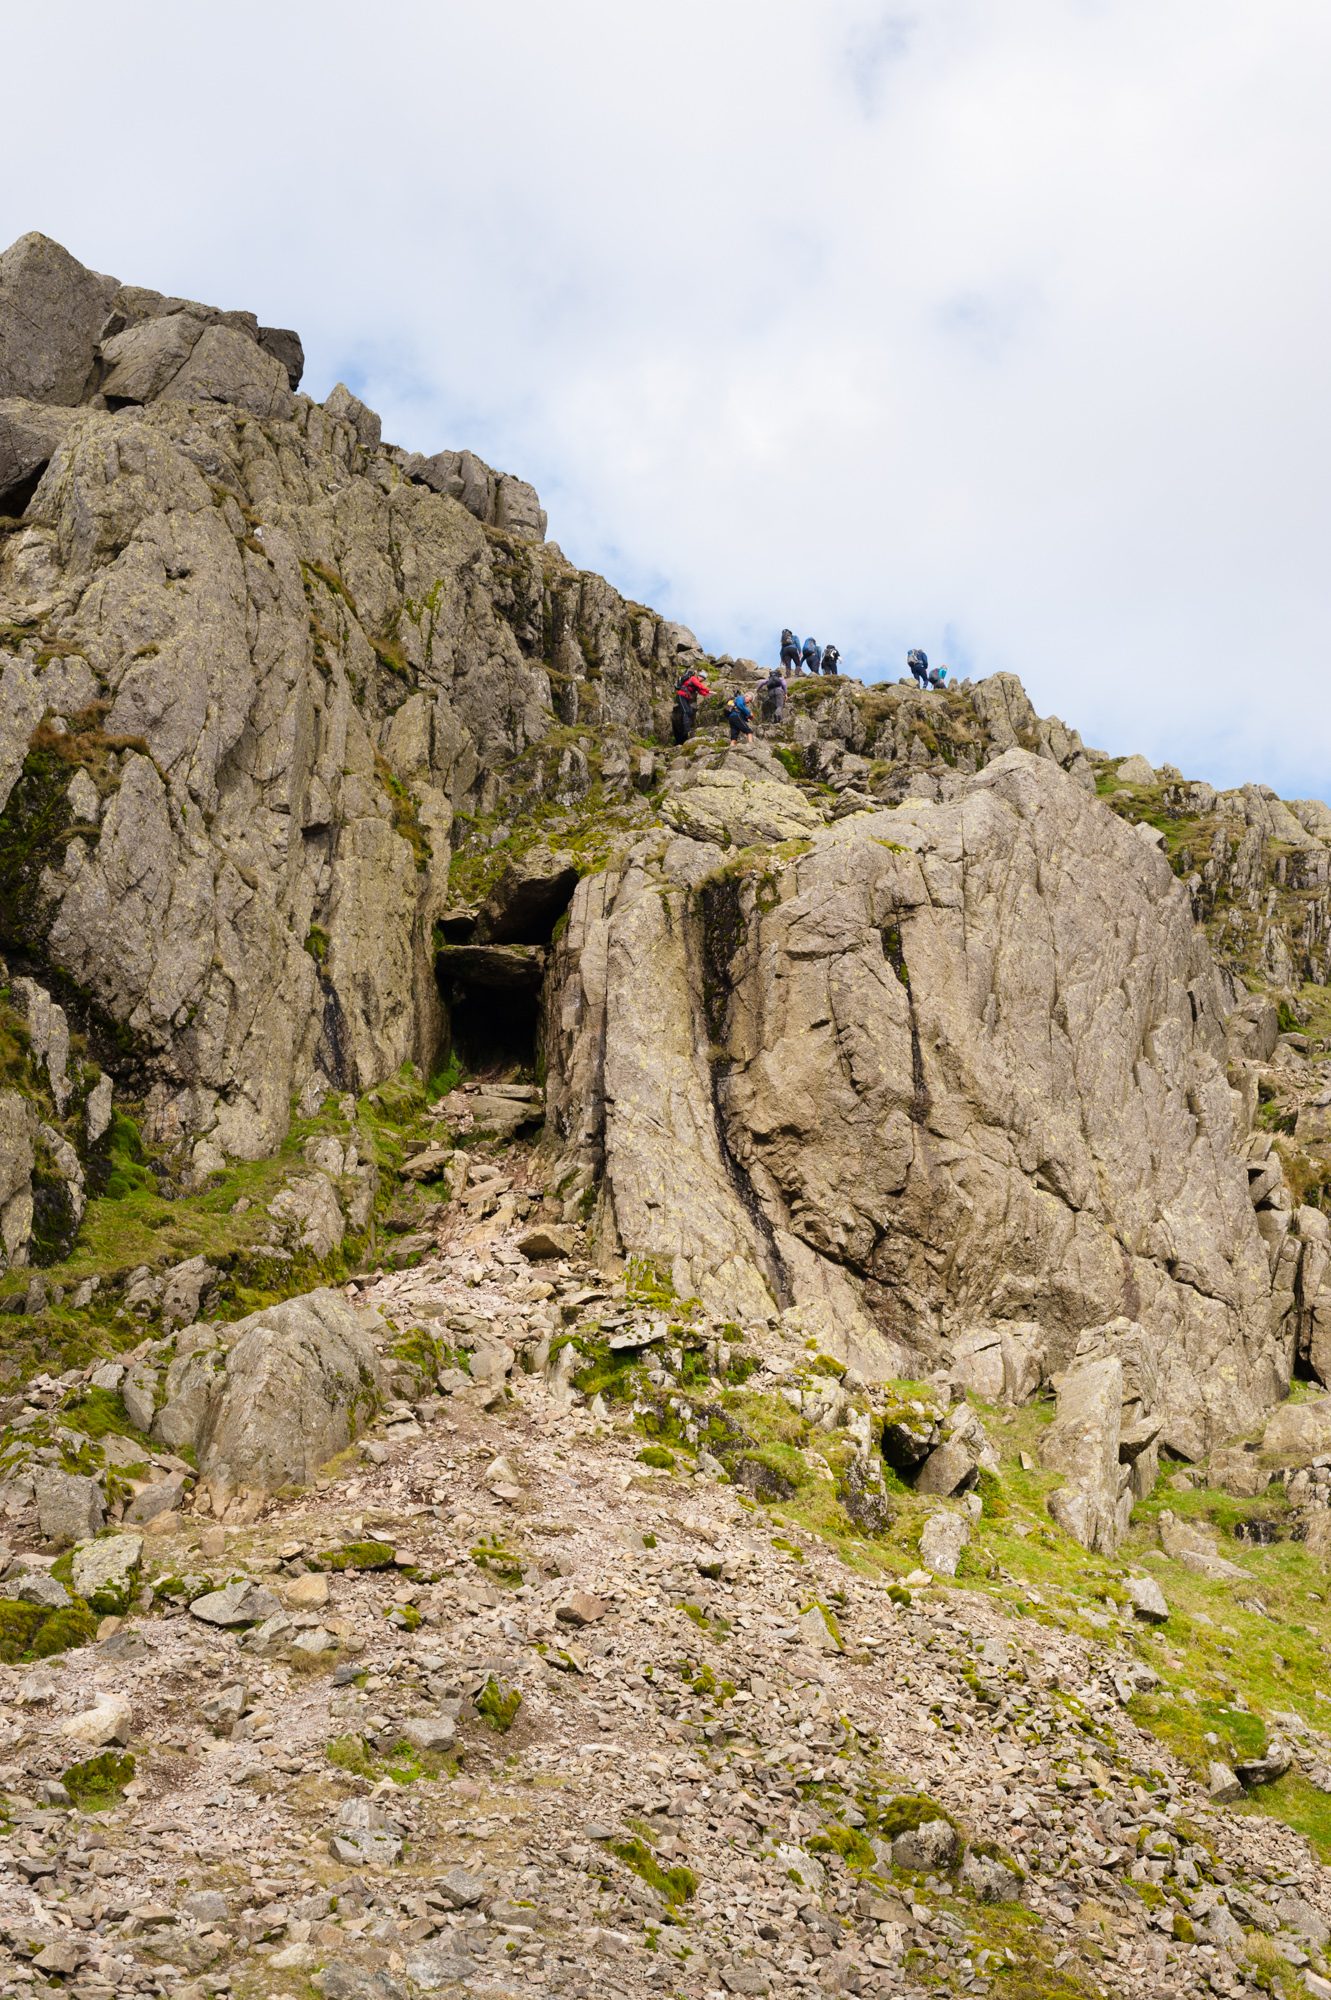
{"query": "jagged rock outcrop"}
{"type": "Point", "coordinates": [248, 672]}
{"type": "Point", "coordinates": [946, 1064]}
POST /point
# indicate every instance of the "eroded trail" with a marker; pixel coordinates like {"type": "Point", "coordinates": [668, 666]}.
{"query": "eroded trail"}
{"type": "Point", "coordinates": [519, 1712]}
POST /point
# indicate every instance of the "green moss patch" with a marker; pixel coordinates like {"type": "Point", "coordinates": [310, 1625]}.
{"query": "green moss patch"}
{"type": "Point", "coordinates": [31, 1632]}
{"type": "Point", "coordinates": [358, 1555]}
{"type": "Point", "coordinates": [98, 1784]}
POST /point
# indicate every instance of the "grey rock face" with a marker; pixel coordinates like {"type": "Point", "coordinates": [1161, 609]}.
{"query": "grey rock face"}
{"type": "Point", "coordinates": [496, 498]}
{"type": "Point", "coordinates": [309, 660]}
{"type": "Point", "coordinates": [924, 1075]}
{"type": "Point", "coordinates": [18, 1133]}
{"type": "Point", "coordinates": [29, 435]}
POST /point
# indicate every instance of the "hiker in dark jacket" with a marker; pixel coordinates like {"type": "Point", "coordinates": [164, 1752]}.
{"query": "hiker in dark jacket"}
{"type": "Point", "coordinates": [790, 651]}
{"type": "Point", "coordinates": [771, 694]}
{"type": "Point", "coordinates": [812, 655]}
{"type": "Point", "coordinates": [831, 655]}
{"type": "Point", "coordinates": [918, 663]}
{"type": "Point", "coordinates": [684, 716]}
{"type": "Point", "coordinates": [740, 718]}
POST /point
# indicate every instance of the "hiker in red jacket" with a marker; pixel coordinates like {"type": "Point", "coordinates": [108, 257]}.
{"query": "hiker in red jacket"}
{"type": "Point", "coordinates": [684, 716]}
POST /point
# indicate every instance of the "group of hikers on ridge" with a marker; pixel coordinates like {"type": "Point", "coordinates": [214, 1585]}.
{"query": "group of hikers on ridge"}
{"type": "Point", "coordinates": [771, 690]}
{"type": "Point", "coordinates": [809, 658]}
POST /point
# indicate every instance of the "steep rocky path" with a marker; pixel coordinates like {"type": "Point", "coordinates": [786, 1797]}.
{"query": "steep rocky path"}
{"type": "Point", "coordinates": [512, 1710]}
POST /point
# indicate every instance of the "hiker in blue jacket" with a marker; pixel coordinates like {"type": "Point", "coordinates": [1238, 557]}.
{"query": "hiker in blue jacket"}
{"type": "Point", "coordinates": [812, 655]}
{"type": "Point", "coordinates": [740, 717]}
{"type": "Point", "coordinates": [790, 650]}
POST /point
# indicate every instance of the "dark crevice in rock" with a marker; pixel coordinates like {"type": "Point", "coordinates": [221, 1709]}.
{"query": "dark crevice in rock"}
{"type": "Point", "coordinates": [894, 953]}
{"type": "Point", "coordinates": [14, 499]}
{"type": "Point", "coordinates": [722, 930]}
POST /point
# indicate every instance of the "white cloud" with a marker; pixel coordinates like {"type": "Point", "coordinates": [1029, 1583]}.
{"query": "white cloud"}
{"type": "Point", "coordinates": [994, 329]}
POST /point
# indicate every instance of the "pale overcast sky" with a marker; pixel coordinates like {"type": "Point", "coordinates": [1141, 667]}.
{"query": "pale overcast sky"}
{"type": "Point", "coordinates": [998, 327]}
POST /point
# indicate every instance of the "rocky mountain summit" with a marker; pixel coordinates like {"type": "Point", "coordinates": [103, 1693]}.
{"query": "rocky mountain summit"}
{"type": "Point", "coordinates": [627, 1370]}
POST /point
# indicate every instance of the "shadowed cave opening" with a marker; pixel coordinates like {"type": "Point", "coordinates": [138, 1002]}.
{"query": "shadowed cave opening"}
{"type": "Point", "coordinates": [491, 967]}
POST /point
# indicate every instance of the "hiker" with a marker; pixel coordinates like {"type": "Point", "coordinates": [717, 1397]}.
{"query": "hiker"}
{"type": "Point", "coordinates": [830, 657]}
{"type": "Point", "coordinates": [790, 650]}
{"type": "Point", "coordinates": [937, 675]}
{"type": "Point", "coordinates": [684, 715]}
{"type": "Point", "coordinates": [740, 717]}
{"type": "Point", "coordinates": [771, 695]}
{"type": "Point", "coordinates": [812, 654]}
{"type": "Point", "coordinates": [918, 663]}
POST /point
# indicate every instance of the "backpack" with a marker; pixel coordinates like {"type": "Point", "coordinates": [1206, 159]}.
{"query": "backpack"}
{"type": "Point", "coordinates": [812, 650]}
{"type": "Point", "coordinates": [915, 658]}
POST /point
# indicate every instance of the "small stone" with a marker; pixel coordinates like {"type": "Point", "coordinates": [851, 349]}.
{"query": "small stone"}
{"type": "Point", "coordinates": [207, 1906]}
{"type": "Point", "coordinates": [430, 1732]}
{"type": "Point", "coordinates": [458, 1889]}
{"type": "Point", "coordinates": [241, 1603]}
{"type": "Point", "coordinates": [36, 1587]}
{"type": "Point", "coordinates": [1222, 1784]}
{"type": "Point", "coordinates": [581, 1608]}
{"type": "Point", "coordinates": [547, 1240]}
{"type": "Point", "coordinates": [306, 1593]}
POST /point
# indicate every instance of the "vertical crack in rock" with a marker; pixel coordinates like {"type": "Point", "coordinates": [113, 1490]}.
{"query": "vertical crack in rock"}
{"type": "Point", "coordinates": [894, 953]}
{"type": "Point", "coordinates": [722, 930]}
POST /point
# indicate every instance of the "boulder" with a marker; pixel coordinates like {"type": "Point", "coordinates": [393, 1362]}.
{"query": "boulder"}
{"type": "Point", "coordinates": [109, 1720]}
{"type": "Point", "coordinates": [430, 1732]}
{"type": "Point", "coordinates": [942, 1539]}
{"type": "Point", "coordinates": [506, 967]}
{"type": "Point", "coordinates": [949, 1468]}
{"type": "Point", "coordinates": [51, 311]}
{"type": "Point", "coordinates": [30, 435]}
{"type": "Point", "coordinates": [1194, 1548]}
{"type": "Point", "coordinates": [928, 1848]}
{"type": "Point", "coordinates": [1273, 1763]}
{"type": "Point", "coordinates": [1083, 1444]}
{"type": "Point", "coordinates": [1299, 1432]}
{"type": "Point", "coordinates": [267, 1400]}
{"type": "Point", "coordinates": [157, 1497]}
{"type": "Point", "coordinates": [546, 1240]}
{"type": "Point", "coordinates": [70, 1506]}
{"type": "Point", "coordinates": [988, 1879]}
{"type": "Point", "coordinates": [1147, 1599]}
{"type": "Point", "coordinates": [103, 1572]}
{"type": "Point", "coordinates": [285, 346]}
